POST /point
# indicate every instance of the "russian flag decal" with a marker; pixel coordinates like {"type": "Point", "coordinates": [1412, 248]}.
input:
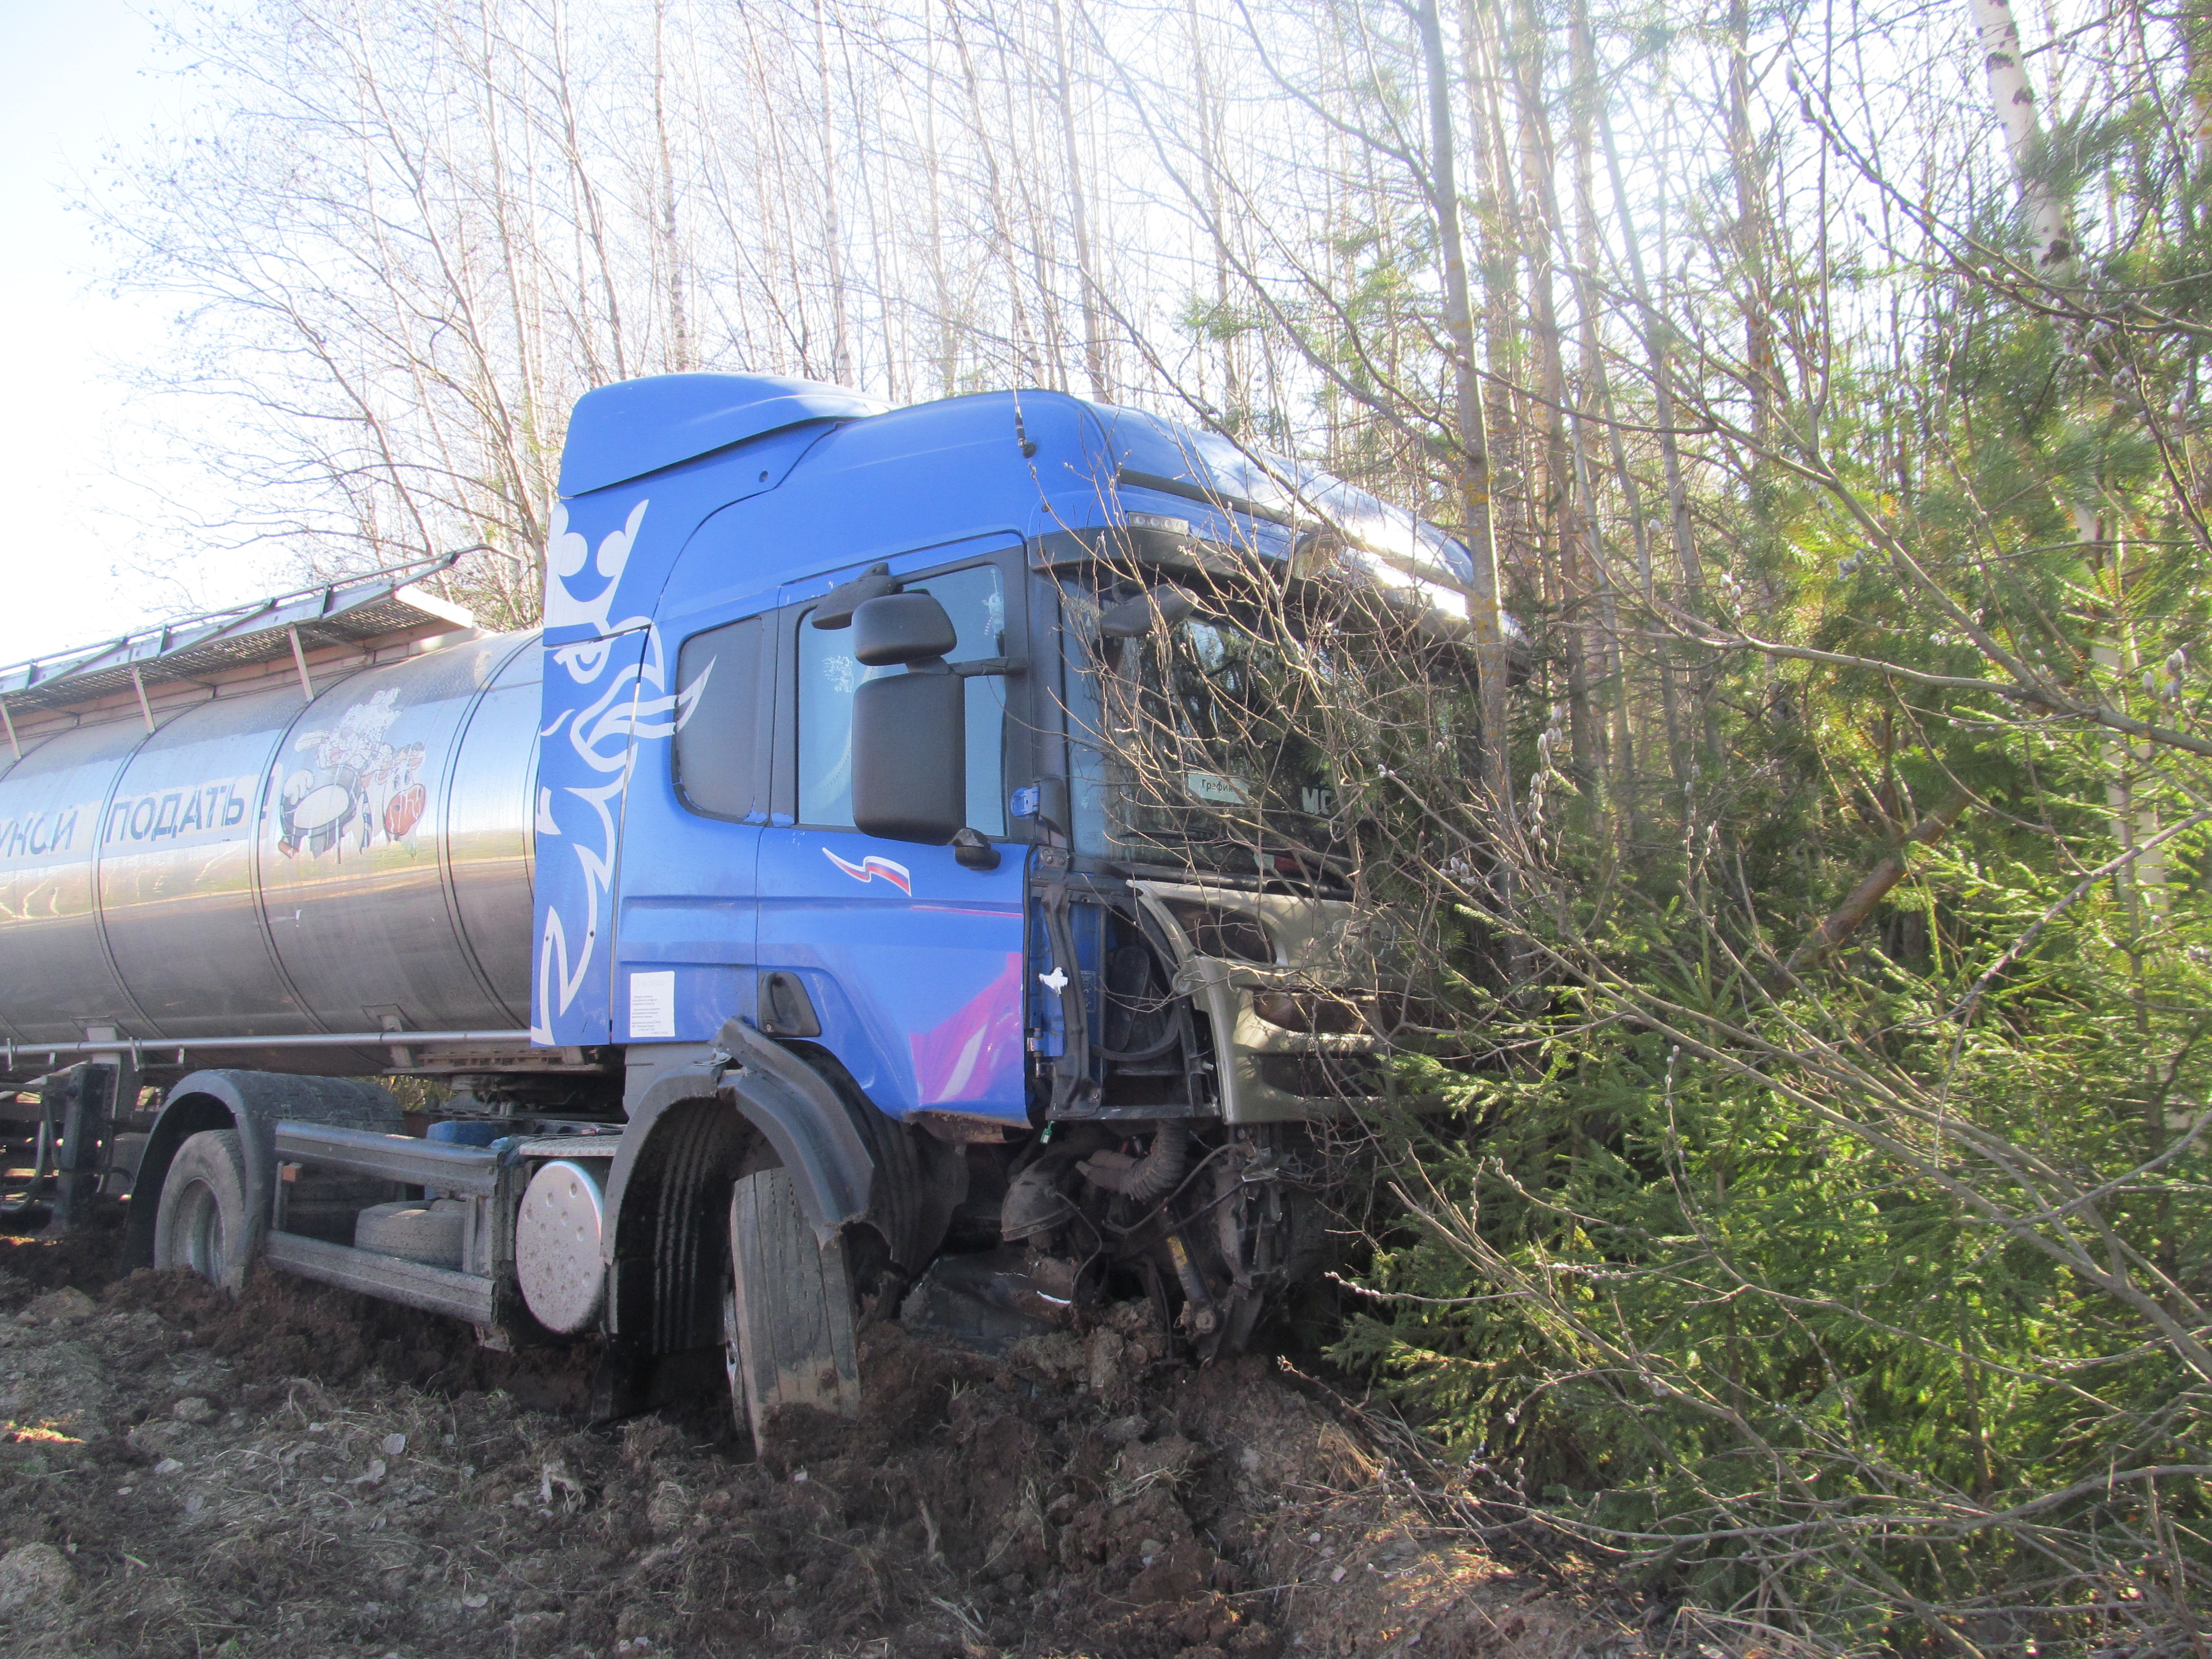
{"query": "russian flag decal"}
{"type": "Point", "coordinates": [873, 865]}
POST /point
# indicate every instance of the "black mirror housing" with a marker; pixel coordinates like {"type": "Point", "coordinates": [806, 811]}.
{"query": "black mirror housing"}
{"type": "Point", "coordinates": [910, 753]}
{"type": "Point", "coordinates": [1134, 618]}
{"type": "Point", "coordinates": [898, 629]}
{"type": "Point", "coordinates": [839, 604]}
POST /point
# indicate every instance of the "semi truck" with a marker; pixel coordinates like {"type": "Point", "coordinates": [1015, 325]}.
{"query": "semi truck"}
{"type": "Point", "coordinates": [777, 931]}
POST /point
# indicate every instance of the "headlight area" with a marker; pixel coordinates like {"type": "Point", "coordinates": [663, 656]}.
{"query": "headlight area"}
{"type": "Point", "coordinates": [1231, 935]}
{"type": "Point", "coordinates": [1301, 1052]}
{"type": "Point", "coordinates": [1285, 984]}
{"type": "Point", "coordinates": [1337, 1072]}
{"type": "Point", "coordinates": [1326, 1013]}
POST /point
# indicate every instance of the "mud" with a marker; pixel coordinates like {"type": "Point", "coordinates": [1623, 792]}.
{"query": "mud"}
{"type": "Point", "coordinates": [311, 1473]}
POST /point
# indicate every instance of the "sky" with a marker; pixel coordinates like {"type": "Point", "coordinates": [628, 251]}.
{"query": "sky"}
{"type": "Point", "coordinates": [77, 78]}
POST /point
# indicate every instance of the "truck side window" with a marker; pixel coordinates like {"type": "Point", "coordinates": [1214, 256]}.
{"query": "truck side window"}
{"type": "Point", "coordinates": [717, 751]}
{"type": "Point", "coordinates": [976, 602]}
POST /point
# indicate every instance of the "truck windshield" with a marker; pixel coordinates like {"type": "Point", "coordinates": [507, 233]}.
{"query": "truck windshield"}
{"type": "Point", "coordinates": [1191, 742]}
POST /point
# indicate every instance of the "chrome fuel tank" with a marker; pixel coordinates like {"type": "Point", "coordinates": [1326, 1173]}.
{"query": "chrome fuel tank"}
{"type": "Point", "coordinates": [264, 866]}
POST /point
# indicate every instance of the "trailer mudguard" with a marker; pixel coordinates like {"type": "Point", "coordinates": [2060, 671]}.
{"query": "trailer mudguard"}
{"type": "Point", "coordinates": [253, 1103]}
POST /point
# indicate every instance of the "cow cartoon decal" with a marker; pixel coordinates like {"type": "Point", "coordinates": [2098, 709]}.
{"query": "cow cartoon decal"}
{"type": "Point", "coordinates": [360, 791]}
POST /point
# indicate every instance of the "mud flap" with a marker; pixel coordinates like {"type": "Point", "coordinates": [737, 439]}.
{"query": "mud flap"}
{"type": "Point", "coordinates": [790, 1312]}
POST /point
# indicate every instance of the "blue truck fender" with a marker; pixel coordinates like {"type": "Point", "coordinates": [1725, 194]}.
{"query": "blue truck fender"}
{"type": "Point", "coordinates": [791, 1105]}
{"type": "Point", "coordinates": [687, 1138]}
{"type": "Point", "coordinates": [904, 1184]}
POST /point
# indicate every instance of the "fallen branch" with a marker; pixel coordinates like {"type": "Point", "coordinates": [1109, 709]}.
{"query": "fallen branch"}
{"type": "Point", "coordinates": [1844, 920]}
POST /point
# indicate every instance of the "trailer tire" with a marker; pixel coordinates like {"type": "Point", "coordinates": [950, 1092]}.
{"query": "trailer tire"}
{"type": "Point", "coordinates": [202, 1221]}
{"type": "Point", "coordinates": [788, 1315]}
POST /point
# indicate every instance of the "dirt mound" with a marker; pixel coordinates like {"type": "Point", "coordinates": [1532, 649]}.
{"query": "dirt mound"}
{"type": "Point", "coordinates": [283, 1326]}
{"type": "Point", "coordinates": [84, 1261]}
{"type": "Point", "coordinates": [309, 1473]}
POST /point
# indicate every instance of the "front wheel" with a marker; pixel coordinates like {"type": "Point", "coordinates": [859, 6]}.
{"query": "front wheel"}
{"type": "Point", "coordinates": [787, 1317]}
{"type": "Point", "coordinates": [200, 1221]}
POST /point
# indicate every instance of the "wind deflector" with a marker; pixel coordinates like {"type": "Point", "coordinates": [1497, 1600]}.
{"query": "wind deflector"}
{"type": "Point", "coordinates": [1157, 454]}
{"type": "Point", "coordinates": [632, 428]}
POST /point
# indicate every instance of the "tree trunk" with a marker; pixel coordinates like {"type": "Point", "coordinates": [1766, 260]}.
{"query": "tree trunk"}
{"type": "Point", "coordinates": [2014, 98]}
{"type": "Point", "coordinates": [1561, 517]}
{"type": "Point", "coordinates": [1094, 332]}
{"type": "Point", "coordinates": [1606, 657]}
{"type": "Point", "coordinates": [1845, 919]}
{"type": "Point", "coordinates": [1497, 210]}
{"type": "Point", "coordinates": [1751, 248]}
{"type": "Point", "coordinates": [1484, 611]}
{"type": "Point", "coordinates": [680, 355]}
{"type": "Point", "coordinates": [840, 338]}
{"type": "Point", "coordinates": [1654, 330]}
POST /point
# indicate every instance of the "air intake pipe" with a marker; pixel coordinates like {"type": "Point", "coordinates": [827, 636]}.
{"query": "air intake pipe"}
{"type": "Point", "coordinates": [1144, 1179]}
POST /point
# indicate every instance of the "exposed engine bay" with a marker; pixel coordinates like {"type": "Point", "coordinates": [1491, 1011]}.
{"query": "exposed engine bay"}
{"type": "Point", "coordinates": [1211, 1223]}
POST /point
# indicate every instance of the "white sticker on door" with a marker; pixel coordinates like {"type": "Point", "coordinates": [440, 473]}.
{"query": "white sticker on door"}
{"type": "Point", "coordinates": [653, 1005]}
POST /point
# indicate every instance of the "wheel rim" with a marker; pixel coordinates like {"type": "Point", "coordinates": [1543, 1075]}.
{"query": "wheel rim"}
{"type": "Point", "coordinates": [200, 1222]}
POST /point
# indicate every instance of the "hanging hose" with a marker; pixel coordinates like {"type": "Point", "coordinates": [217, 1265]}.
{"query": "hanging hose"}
{"type": "Point", "coordinates": [1144, 1179]}
{"type": "Point", "coordinates": [1162, 1168]}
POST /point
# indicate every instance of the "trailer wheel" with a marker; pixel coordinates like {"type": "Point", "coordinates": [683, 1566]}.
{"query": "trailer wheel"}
{"type": "Point", "coordinates": [787, 1316]}
{"type": "Point", "coordinates": [201, 1221]}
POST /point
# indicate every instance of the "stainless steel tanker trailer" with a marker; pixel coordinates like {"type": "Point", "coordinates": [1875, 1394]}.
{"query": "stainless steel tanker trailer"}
{"type": "Point", "coordinates": [774, 921]}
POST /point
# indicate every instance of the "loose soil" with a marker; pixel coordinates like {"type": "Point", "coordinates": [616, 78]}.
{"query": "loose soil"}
{"type": "Point", "coordinates": [307, 1472]}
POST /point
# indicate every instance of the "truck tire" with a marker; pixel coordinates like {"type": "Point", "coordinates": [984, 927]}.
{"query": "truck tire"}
{"type": "Point", "coordinates": [414, 1231]}
{"type": "Point", "coordinates": [788, 1317]}
{"type": "Point", "coordinates": [201, 1220]}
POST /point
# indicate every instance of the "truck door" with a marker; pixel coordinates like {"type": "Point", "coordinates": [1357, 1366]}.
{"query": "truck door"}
{"type": "Point", "coordinates": [687, 919]}
{"type": "Point", "coordinates": [912, 964]}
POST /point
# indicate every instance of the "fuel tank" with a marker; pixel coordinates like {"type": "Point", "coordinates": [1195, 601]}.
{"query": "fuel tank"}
{"type": "Point", "coordinates": [267, 865]}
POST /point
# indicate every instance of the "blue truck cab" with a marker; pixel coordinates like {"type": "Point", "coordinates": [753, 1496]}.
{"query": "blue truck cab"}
{"type": "Point", "coordinates": [696, 846]}
{"type": "Point", "coordinates": [862, 796]}
{"type": "Point", "coordinates": [995, 978]}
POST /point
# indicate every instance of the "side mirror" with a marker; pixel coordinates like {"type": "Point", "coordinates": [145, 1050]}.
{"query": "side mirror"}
{"type": "Point", "coordinates": [894, 629]}
{"type": "Point", "coordinates": [910, 730]}
{"type": "Point", "coordinates": [1134, 618]}
{"type": "Point", "coordinates": [910, 755]}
